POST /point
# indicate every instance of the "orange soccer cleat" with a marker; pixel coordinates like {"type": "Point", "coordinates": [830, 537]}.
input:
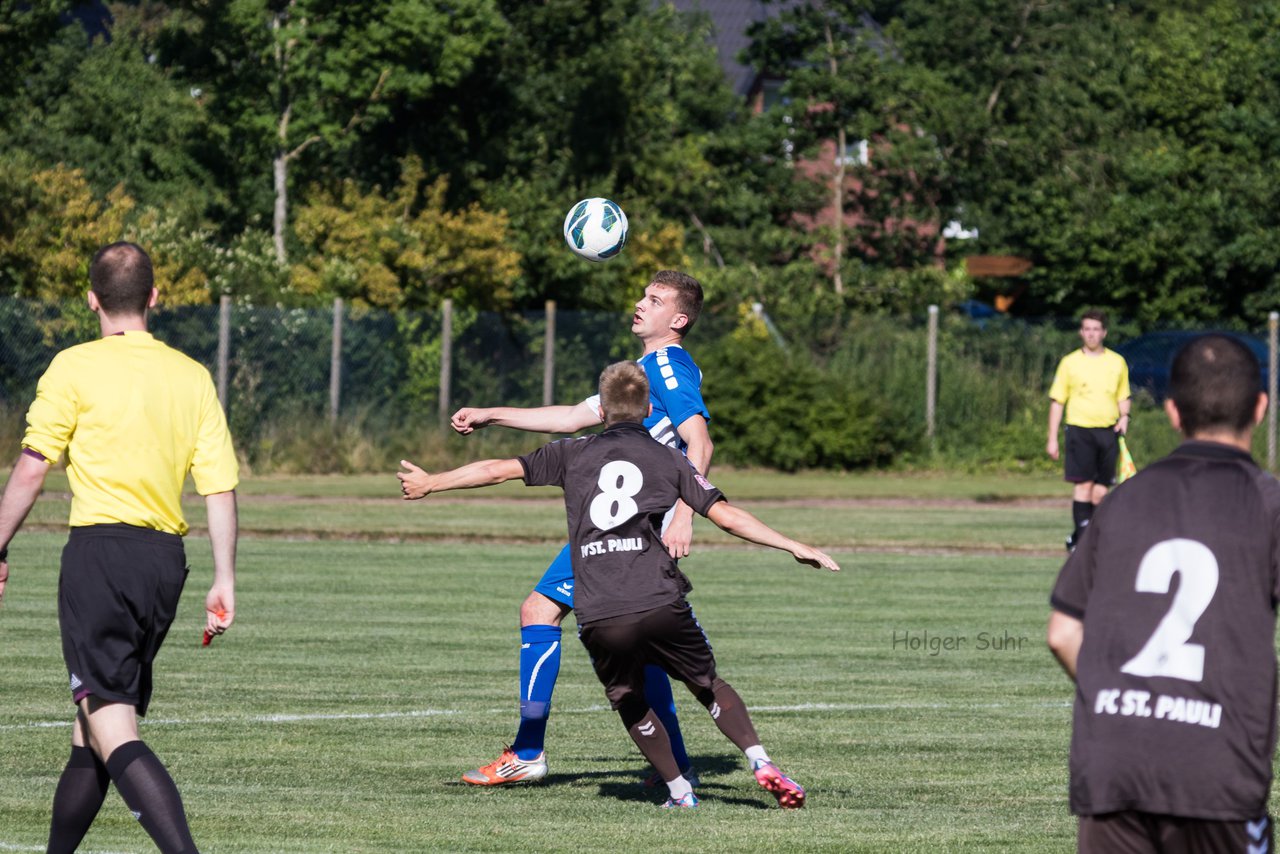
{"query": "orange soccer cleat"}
{"type": "Point", "coordinates": [508, 768]}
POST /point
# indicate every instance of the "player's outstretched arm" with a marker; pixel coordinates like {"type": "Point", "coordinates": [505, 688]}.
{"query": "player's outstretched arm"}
{"type": "Point", "coordinates": [1065, 636]}
{"type": "Point", "coordinates": [416, 483]}
{"type": "Point", "coordinates": [536, 419]}
{"type": "Point", "coordinates": [743, 525]}
{"type": "Point", "coordinates": [20, 493]}
{"type": "Point", "coordinates": [224, 527]}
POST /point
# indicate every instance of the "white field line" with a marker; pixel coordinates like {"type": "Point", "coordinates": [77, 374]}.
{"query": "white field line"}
{"type": "Point", "coordinates": [5, 846]}
{"type": "Point", "coordinates": [240, 720]}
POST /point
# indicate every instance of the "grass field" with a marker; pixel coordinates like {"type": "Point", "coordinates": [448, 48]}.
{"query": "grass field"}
{"type": "Point", "coordinates": [373, 660]}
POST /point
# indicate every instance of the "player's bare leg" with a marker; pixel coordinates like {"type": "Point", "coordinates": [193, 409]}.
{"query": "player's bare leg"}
{"type": "Point", "coordinates": [538, 610]}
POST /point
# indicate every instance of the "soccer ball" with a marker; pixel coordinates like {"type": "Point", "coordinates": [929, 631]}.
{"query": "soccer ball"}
{"type": "Point", "coordinates": [595, 229]}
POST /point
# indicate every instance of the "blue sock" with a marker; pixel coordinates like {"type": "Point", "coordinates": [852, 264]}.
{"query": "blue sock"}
{"type": "Point", "coordinates": [539, 667]}
{"type": "Point", "coordinates": [657, 690]}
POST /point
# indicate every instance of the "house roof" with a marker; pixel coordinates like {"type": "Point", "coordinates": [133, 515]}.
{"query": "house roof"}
{"type": "Point", "coordinates": [730, 20]}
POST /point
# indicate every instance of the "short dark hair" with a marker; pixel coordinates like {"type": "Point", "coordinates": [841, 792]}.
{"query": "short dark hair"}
{"type": "Point", "coordinates": [624, 393]}
{"type": "Point", "coordinates": [120, 275]}
{"type": "Point", "coordinates": [1215, 381]}
{"type": "Point", "coordinates": [1094, 314]}
{"type": "Point", "coordinates": [688, 294]}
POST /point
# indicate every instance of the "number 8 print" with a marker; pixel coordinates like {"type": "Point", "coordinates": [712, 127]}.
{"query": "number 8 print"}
{"type": "Point", "coordinates": [619, 482]}
{"type": "Point", "coordinates": [1167, 652]}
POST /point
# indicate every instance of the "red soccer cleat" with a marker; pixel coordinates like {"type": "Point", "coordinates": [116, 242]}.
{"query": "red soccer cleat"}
{"type": "Point", "coordinates": [789, 793]}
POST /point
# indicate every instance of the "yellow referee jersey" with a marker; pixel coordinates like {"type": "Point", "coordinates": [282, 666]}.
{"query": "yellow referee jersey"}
{"type": "Point", "coordinates": [134, 416]}
{"type": "Point", "coordinates": [1091, 387]}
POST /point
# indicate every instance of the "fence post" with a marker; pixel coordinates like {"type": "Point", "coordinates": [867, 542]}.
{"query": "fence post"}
{"type": "Point", "coordinates": [931, 377]}
{"type": "Point", "coordinates": [1273, 347]}
{"type": "Point", "coordinates": [446, 360]}
{"type": "Point", "coordinates": [549, 355]}
{"type": "Point", "coordinates": [335, 362]}
{"type": "Point", "coordinates": [224, 347]}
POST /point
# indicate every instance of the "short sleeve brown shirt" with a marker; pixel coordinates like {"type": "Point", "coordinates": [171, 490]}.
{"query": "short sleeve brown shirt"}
{"type": "Point", "coordinates": [1176, 581]}
{"type": "Point", "coordinates": [618, 485]}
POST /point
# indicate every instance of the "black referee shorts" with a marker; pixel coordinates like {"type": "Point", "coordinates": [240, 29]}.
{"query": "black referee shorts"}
{"type": "Point", "coordinates": [669, 637]}
{"type": "Point", "coordinates": [1092, 455]}
{"type": "Point", "coordinates": [117, 596]}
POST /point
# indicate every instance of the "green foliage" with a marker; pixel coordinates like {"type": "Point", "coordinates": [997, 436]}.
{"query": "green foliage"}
{"type": "Point", "coordinates": [404, 249]}
{"type": "Point", "coordinates": [777, 409]}
{"type": "Point", "coordinates": [50, 227]}
{"type": "Point", "coordinates": [26, 29]}
{"type": "Point", "coordinates": [312, 79]}
{"type": "Point", "coordinates": [105, 109]}
{"type": "Point", "coordinates": [607, 99]}
{"type": "Point", "coordinates": [1124, 149]}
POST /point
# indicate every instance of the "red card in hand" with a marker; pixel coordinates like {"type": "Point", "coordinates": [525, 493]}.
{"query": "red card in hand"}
{"type": "Point", "coordinates": [209, 636]}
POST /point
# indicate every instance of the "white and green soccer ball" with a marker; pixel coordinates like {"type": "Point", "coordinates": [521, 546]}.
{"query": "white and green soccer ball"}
{"type": "Point", "coordinates": [595, 229]}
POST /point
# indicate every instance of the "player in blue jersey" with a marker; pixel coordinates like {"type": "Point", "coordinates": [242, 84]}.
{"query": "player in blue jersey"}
{"type": "Point", "coordinates": [662, 319]}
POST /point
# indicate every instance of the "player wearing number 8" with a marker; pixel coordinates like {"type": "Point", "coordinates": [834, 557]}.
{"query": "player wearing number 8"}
{"type": "Point", "coordinates": [629, 595]}
{"type": "Point", "coordinates": [1174, 585]}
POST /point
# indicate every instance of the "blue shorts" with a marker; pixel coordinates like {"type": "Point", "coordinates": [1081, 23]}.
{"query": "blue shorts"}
{"type": "Point", "coordinates": [557, 581]}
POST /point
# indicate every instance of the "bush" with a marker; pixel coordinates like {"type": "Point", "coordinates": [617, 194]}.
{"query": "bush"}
{"type": "Point", "coordinates": [777, 409]}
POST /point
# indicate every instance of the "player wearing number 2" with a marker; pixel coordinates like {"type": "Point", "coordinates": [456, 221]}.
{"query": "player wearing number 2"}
{"type": "Point", "coordinates": [629, 595]}
{"type": "Point", "coordinates": [1165, 616]}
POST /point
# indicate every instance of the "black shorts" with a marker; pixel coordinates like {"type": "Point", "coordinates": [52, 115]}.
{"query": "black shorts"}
{"type": "Point", "coordinates": [1092, 454]}
{"type": "Point", "coordinates": [117, 596]}
{"type": "Point", "coordinates": [668, 637]}
{"type": "Point", "coordinates": [1133, 831]}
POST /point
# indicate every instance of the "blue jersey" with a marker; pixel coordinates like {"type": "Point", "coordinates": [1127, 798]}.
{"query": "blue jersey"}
{"type": "Point", "coordinates": [675, 390]}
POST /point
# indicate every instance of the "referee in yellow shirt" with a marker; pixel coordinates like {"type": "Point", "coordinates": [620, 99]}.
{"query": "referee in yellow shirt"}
{"type": "Point", "coordinates": [1092, 387]}
{"type": "Point", "coordinates": [134, 417]}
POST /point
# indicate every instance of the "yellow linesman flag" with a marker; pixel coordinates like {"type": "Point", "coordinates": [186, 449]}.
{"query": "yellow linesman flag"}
{"type": "Point", "coordinates": [1126, 468]}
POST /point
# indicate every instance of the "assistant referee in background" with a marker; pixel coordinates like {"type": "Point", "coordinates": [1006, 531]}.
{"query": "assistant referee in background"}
{"type": "Point", "coordinates": [1091, 386]}
{"type": "Point", "coordinates": [134, 418]}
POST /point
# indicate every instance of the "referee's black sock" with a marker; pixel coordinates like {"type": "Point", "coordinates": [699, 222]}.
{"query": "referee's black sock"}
{"type": "Point", "coordinates": [80, 793]}
{"type": "Point", "coordinates": [151, 794]}
{"type": "Point", "coordinates": [1081, 513]}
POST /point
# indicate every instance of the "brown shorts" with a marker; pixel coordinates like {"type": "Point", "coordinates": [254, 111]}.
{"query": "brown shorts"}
{"type": "Point", "coordinates": [117, 596]}
{"type": "Point", "coordinates": [1132, 832]}
{"type": "Point", "coordinates": [668, 637]}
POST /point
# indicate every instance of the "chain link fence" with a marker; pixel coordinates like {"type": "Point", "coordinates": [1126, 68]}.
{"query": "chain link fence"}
{"type": "Point", "coordinates": [978, 396]}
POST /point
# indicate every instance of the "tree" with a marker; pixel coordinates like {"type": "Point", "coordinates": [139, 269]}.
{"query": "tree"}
{"type": "Point", "coordinates": [55, 225]}
{"type": "Point", "coordinates": [883, 197]}
{"type": "Point", "coordinates": [25, 32]}
{"type": "Point", "coordinates": [404, 249]}
{"type": "Point", "coordinates": [606, 98]}
{"type": "Point", "coordinates": [298, 82]}
{"type": "Point", "coordinates": [103, 108]}
{"type": "Point", "coordinates": [1122, 148]}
